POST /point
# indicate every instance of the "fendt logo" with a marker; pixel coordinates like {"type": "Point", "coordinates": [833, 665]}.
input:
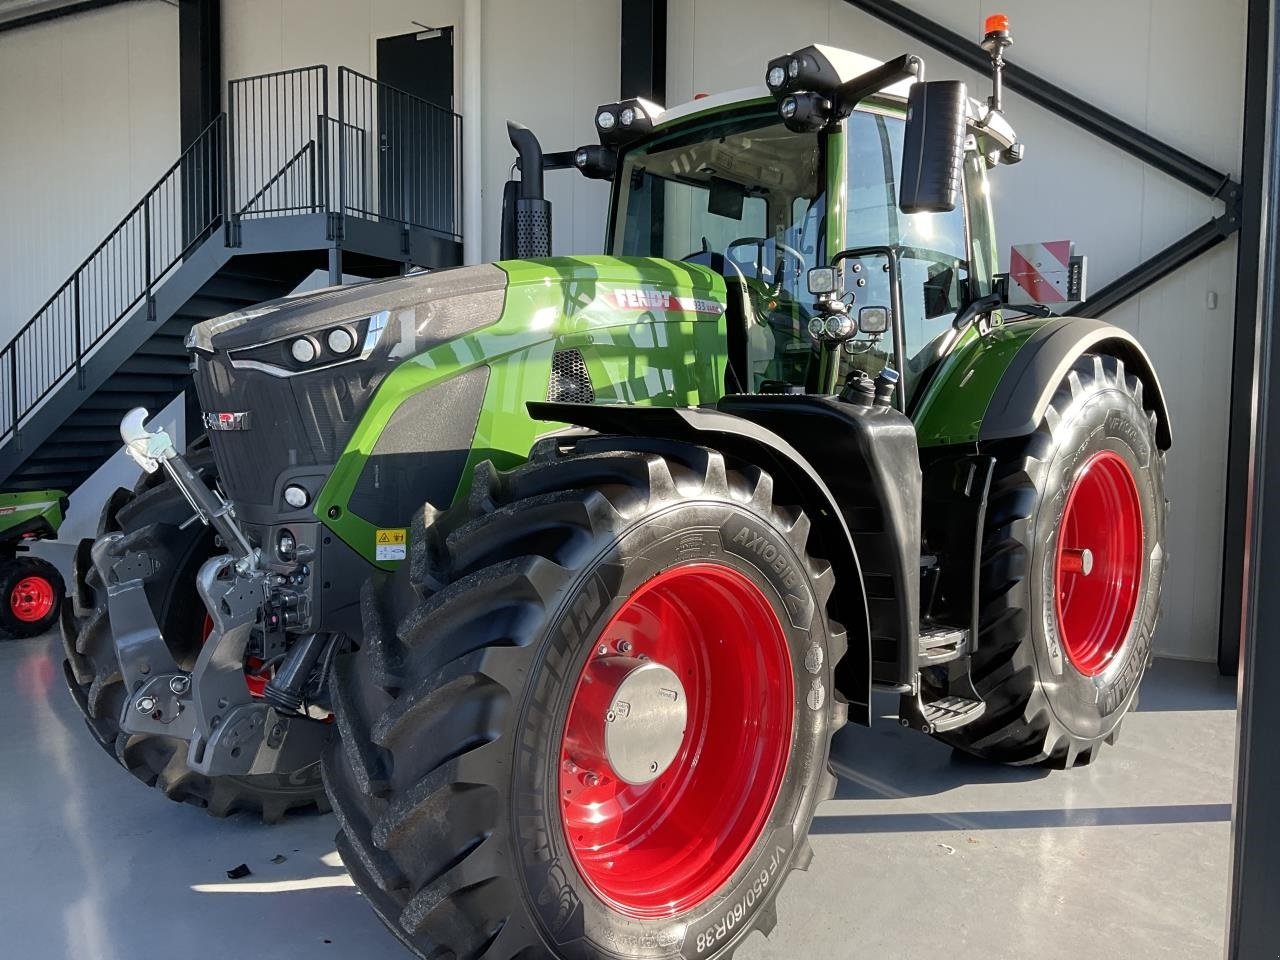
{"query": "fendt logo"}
{"type": "Point", "coordinates": [227, 421]}
{"type": "Point", "coordinates": [649, 298]}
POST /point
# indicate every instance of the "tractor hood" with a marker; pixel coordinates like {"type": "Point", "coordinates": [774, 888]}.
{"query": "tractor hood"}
{"type": "Point", "coordinates": [284, 385]}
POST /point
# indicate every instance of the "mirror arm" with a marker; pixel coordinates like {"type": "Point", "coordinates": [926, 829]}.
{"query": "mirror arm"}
{"type": "Point", "coordinates": [848, 95]}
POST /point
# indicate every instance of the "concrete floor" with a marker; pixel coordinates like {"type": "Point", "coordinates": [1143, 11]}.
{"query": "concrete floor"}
{"type": "Point", "coordinates": [918, 856]}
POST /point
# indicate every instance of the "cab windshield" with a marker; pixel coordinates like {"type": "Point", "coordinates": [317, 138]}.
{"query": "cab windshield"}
{"type": "Point", "coordinates": [746, 197]}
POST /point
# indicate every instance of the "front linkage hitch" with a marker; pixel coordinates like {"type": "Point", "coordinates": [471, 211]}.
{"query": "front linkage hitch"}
{"type": "Point", "coordinates": [230, 732]}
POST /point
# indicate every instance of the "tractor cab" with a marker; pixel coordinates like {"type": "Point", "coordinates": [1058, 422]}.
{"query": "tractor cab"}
{"type": "Point", "coordinates": [844, 204]}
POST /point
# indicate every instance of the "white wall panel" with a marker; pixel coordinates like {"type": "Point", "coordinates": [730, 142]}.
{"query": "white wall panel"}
{"type": "Point", "coordinates": [88, 122]}
{"type": "Point", "coordinates": [1171, 67]}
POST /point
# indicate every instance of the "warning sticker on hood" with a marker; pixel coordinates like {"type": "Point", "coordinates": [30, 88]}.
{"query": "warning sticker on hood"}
{"type": "Point", "coordinates": [391, 544]}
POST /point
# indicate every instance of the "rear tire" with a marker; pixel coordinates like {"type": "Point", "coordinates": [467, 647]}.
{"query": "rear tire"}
{"type": "Point", "coordinates": [1058, 675]}
{"type": "Point", "coordinates": [150, 519]}
{"type": "Point", "coordinates": [31, 593]}
{"type": "Point", "coordinates": [454, 769]}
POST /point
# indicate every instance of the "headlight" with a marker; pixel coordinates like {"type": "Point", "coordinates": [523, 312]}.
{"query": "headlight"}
{"type": "Point", "coordinates": [605, 120]}
{"type": "Point", "coordinates": [817, 328]}
{"type": "Point", "coordinates": [341, 340]}
{"type": "Point", "coordinates": [839, 326]}
{"type": "Point", "coordinates": [789, 107]}
{"type": "Point", "coordinates": [627, 116]}
{"type": "Point", "coordinates": [776, 77]}
{"type": "Point", "coordinates": [303, 350]}
{"type": "Point", "coordinates": [296, 496]}
{"type": "Point", "coordinates": [793, 67]}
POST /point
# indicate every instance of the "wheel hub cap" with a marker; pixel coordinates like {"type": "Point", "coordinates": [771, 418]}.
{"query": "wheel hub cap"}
{"type": "Point", "coordinates": [1098, 565]}
{"type": "Point", "coordinates": [31, 599]}
{"type": "Point", "coordinates": [633, 719]}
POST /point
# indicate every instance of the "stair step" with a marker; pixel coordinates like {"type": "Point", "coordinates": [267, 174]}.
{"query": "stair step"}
{"type": "Point", "coordinates": [140, 382]}
{"type": "Point", "coordinates": [73, 452]}
{"type": "Point", "coordinates": [948, 713]}
{"type": "Point", "coordinates": [205, 308]}
{"type": "Point", "coordinates": [248, 289]}
{"type": "Point", "coordinates": [942, 644]}
{"type": "Point", "coordinates": [164, 366]}
{"type": "Point", "coordinates": [120, 404]}
{"type": "Point", "coordinates": [106, 433]}
{"type": "Point", "coordinates": [165, 346]}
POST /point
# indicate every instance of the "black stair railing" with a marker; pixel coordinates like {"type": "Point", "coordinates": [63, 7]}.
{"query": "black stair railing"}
{"type": "Point", "coordinates": [277, 152]}
{"type": "Point", "coordinates": [276, 142]}
{"type": "Point", "coordinates": [184, 207]}
{"type": "Point", "coordinates": [401, 156]}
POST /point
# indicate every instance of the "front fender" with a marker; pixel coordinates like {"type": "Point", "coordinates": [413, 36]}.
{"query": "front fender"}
{"type": "Point", "coordinates": [793, 475]}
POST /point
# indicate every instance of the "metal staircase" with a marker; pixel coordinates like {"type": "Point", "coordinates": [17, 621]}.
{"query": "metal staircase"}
{"type": "Point", "coordinates": [270, 191]}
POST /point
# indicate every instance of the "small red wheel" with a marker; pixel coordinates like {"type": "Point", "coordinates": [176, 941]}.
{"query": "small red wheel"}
{"type": "Point", "coordinates": [1098, 565]}
{"type": "Point", "coordinates": [676, 741]}
{"type": "Point", "coordinates": [32, 598]}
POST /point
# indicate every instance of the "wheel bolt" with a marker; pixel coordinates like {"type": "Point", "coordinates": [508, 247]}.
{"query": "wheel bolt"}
{"type": "Point", "coordinates": [145, 704]}
{"type": "Point", "coordinates": [179, 685]}
{"type": "Point", "coordinates": [591, 779]}
{"type": "Point", "coordinates": [624, 646]}
{"type": "Point", "coordinates": [603, 650]}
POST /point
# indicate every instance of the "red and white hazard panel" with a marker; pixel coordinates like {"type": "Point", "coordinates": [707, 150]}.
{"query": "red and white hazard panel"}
{"type": "Point", "coordinates": [1045, 273]}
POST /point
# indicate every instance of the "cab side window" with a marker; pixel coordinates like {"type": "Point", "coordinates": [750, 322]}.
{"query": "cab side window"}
{"type": "Point", "coordinates": [932, 248]}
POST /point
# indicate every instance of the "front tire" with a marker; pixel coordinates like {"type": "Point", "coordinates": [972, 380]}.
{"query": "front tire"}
{"type": "Point", "coordinates": [1072, 562]}
{"type": "Point", "coordinates": [492, 800]}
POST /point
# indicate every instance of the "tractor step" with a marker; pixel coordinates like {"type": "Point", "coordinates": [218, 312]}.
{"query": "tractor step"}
{"type": "Point", "coordinates": [942, 644]}
{"type": "Point", "coordinates": [948, 713]}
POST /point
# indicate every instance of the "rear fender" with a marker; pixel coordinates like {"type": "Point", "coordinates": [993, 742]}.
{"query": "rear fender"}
{"type": "Point", "coordinates": [998, 385]}
{"type": "Point", "coordinates": [796, 480]}
{"type": "Point", "coordinates": [1020, 400]}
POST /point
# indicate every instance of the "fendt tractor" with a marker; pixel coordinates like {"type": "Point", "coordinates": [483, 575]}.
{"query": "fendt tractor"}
{"type": "Point", "coordinates": [566, 569]}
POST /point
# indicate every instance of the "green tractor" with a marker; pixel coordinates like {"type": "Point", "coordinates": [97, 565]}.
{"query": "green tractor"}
{"type": "Point", "coordinates": [31, 589]}
{"type": "Point", "coordinates": [566, 569]}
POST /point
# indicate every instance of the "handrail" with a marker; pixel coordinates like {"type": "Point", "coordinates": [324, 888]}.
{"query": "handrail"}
{"type": "Point", "coordinates": [172, 217]}
{"type": "Point", "coordinates": [411, 161]}
{"type": "Point", "coordinates": [402, 152]}
{"type": "Point", "coordinates": [302, 151]}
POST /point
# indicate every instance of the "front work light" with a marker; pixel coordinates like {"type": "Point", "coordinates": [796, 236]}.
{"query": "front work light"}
{"type": "Point", "coordinates": [805, 112]}
{"type": "Point", "coordinates": [619, 123]}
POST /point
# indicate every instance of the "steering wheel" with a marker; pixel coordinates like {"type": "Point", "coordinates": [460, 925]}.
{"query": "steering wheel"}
{"type": "Point", "coordinates": [759, 244]}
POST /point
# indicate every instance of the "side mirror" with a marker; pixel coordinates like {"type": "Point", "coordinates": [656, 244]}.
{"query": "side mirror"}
{"type": "Point", "coordinates": [933, 147]}
{"type": "Point", "coordinates": [873, 320]}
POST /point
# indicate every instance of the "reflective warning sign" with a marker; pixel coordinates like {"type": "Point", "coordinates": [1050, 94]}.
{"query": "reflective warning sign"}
{"type": "Point", "coordinates": [390, 544]}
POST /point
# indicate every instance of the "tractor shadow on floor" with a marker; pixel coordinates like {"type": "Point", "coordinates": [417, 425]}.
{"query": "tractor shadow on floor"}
{"type": "Point", "coordinates": [888, 762]}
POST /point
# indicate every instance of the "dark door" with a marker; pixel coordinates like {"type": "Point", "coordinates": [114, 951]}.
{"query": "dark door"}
{"type": "Point", "coordinates": [417, 131]}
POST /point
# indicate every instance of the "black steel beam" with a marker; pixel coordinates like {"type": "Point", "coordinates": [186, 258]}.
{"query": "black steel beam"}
{"type": "Point", "coordinates": [1252, 169]}
{"type": "Point", "coordinates": [199, 66]}
{"type": "Point", "coordinates": [1154, 268]}
{"type": "Point", "coordinates": [1254, 921]}
{"type": "Point", "coordinates": [644, 50]}
{"type": "Point", "coordinates": [1150, 150]}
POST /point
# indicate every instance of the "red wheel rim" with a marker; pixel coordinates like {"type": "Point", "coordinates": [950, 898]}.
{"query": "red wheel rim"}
{"type": "Point", "coordinates": [658, 848]}
{"type": "Point", "coordinates": [1098, 565]}
{"type": "Point", "coordinates": [32, 599]}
